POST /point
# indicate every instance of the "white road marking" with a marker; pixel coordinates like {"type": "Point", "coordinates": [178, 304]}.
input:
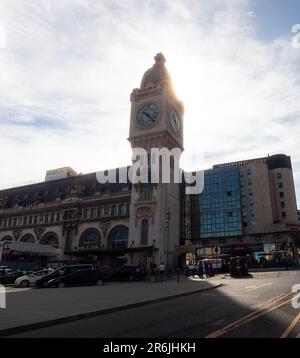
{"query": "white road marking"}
{"type": "Point", "coordinates": [252, 288]}
{"type": "Point", "coordinates": [12, 290]}
{"type": "Point", "coordinates": [229, 295]}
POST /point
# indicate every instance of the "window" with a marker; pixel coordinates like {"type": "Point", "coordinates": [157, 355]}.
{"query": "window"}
{"type": "Point", "coordinates": [279, 176]}
{"type": "Point", "coordinates": [93, 213]}
{"type": "Point", "coordinates": [98, 213]}
{"type": "Point", "coordinates": [281, 195]}
{"type": "Point", "coordinates": [243, 193]}
{"type": "Point", "coordinates": [241, 174]}
{"type": "Point", "coordinates": [280, 185]}
{"type": "Point", "coordinates": [250, 181]}
{"type": "Point", "coordinates": [253, 222]}
{"type": "Point", "coordinates": [229, 193]}
{"type": "Point", "coordinates": [244, 214]}
{"type": "Point", "coordinates": [249, 172]}
{"type": "Point", "coordinates": [283, 215]}
{"type": "Point", "coordinates": [85, 213]}
{"type": "Point", "coordinates": [251, 202]}
{"type": "Point", "coordinates": [114, 210]}
{"type": "Point", "coordinates": [250, 192]}
{"type": "Point", "coordinates": [252, 213]}
{"type": "Point", "coordinates": [52, 218]}
{"type": "Point", "coordinates": [282, 204]}
{"type": "Point", "coordinates": [243, 203]}
{"type": "Point", "coordinates": [144, 238]}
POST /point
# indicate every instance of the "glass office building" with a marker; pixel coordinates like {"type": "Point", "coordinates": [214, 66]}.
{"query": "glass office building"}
{"type": "Point", "coordinates": [220, 206]}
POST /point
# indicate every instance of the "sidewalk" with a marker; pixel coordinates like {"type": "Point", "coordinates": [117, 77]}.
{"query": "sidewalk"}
{"type": "Point", "coordinates": [274, 269]}
{"type": "Point", "coordinates": [37, 308]}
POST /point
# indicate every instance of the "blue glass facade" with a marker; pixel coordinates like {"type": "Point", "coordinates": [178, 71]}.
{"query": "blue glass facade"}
{"type": "Point", "coordinates": [220, 205]}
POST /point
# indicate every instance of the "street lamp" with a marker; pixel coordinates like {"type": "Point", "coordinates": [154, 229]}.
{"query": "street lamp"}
{"type": "Point", "coordinates": [167, 226]}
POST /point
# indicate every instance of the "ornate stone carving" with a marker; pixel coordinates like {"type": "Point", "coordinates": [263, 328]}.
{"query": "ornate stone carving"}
{"type": "Point", "coordinates": [77, 191]}
{"type": "Point", "coordinates": [139, 94]}
{"type": "Point", "coordinates": [3, 201]}
{"type": "Point", "coordinates": [39, 231]}
{"type": "Point", "coordinates": [17, 234]}
{"type": "Point", "coordinates": [104, 225]}
{"type": "Point", "coordinates": [144, 212]}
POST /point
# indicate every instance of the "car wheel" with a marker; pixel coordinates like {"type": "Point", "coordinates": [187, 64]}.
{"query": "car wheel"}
{"type": "Point", "coordinates": [61, 285]}
{"type": "Point", "coordinates": [131, 277]}
{"type": "Point", "coordinates": [100, 283]}
{"type": "Point", "coordinates": [45, 284]}
{"type": "Point", "coordinates": [25, 283]}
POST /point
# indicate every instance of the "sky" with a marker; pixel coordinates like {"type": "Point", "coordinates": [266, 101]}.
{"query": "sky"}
{"type": "Point", "coordinates": [67, 69]}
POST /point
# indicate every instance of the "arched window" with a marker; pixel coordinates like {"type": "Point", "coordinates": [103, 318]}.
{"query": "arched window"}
{"type": "Point", "coordinates": [90, 239]}
{"type": "Point", "coordinates": [29, 238]}
{"type": "Point", "coordinates": [7, 238]}
{"type": "Point", "coordinates": [119, 238]}
{"type": "Point", "coordinates": [50, 239]}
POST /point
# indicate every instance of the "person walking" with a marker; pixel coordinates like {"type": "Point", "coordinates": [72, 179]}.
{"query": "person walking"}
{"type": "Point", "coordinates": [162, 269]}
{"type": "Point", "coordinates": [153, 271]}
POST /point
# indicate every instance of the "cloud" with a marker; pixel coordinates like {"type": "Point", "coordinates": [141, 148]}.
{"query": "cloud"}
{"type": "Point", "coordinates": [69, 67]}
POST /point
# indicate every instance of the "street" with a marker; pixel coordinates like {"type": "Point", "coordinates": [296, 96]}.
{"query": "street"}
{"type": "Point", "coordinates": [258, 306]}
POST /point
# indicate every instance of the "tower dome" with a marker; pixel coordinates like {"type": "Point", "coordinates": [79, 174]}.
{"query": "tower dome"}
{"type": "Point", "coordinates": [157, 73]}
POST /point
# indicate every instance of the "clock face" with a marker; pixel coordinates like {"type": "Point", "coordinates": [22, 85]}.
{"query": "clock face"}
{"type": "Point", "coordinates": [148, 115]}
{"type": "Point", "coordinates": [175, 122]}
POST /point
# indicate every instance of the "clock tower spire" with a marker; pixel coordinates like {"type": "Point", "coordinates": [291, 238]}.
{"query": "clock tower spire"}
{"type": "Point", "coordinates": [156, 112]}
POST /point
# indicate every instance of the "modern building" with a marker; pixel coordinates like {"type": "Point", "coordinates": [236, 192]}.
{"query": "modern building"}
{"type": "Point", "coordinates": [247, 207]}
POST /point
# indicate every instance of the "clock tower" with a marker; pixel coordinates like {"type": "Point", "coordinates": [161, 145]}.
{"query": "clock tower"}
{"type": "Point", "coordinates": [156, 122]}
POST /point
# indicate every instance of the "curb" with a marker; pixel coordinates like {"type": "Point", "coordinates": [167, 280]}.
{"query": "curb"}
{"type": "Point", "coordinates": [80, 316]}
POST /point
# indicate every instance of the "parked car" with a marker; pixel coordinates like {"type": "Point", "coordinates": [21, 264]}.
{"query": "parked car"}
{"type": "Point", "coordinates": [30, 279]}
{"type": "Point", "coordinates": [238, 266]}
{"type": "Point", "coordinates": [80, 278]}
{"type": "Point", "coordinates": [8, 276]}
{"type": "Point", "coordinates": [128, 272]}
{"type": "Point", "coordinates": [59, 272]}
{"type": "Point", "coordinates": [4, 277]}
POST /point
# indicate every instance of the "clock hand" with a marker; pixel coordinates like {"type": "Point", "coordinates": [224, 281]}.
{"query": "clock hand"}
{"type": "Point", "coordinates": [148, 115]}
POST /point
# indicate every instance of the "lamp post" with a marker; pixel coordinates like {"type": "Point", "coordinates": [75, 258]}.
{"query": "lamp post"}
{"type": "Point", "coordinates": [132, 243]}
{"type": "Point", "coordinates": [153, 250]}
{"type": "Point", "coordinates": [167, 226]}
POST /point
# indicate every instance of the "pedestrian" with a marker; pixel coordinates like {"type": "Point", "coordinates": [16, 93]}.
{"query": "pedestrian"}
{"type": "Point", "coordinates": [211, 269]}
{"type": "Point", "coordinates": [162, 269]}
{"type": "Point", "coordinates": [200, 270]}
{"type": "Point", "coordinates": [153, 270]}
{"type": "Point", "coordinates": [287, 263]}
{"type": "Point", "coordinates": [206, 268]}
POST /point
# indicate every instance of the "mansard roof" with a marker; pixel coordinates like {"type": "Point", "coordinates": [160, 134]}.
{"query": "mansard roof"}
{"type": "Point", "coordinates": [79, 186]}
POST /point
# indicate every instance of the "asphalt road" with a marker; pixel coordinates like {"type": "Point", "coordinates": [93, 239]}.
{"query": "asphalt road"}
{"type": "Point", "coordinates": [258, 306]}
